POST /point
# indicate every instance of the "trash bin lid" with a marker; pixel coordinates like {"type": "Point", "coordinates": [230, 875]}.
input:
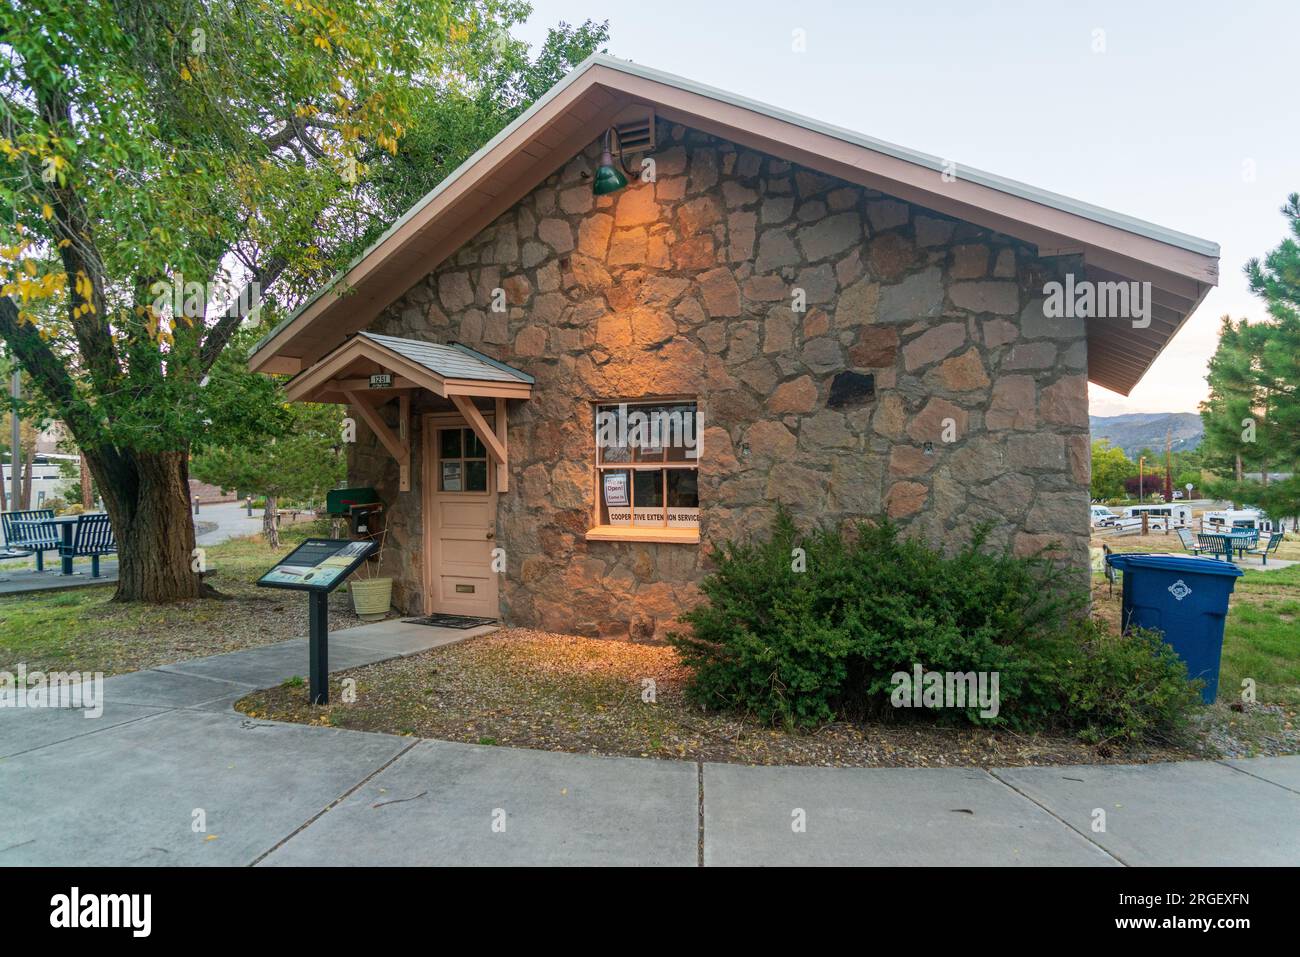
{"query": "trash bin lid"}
{"type": "Point", "coordinates": [1182, 564]}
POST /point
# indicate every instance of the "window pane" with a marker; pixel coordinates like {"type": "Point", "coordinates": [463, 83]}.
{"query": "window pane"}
{"type": "Point", "coordinates": [615, 497]}
{"type": "Point", "coordinates": [683, 499]}
{"type": "Point", "coordinates": [648, 488]}
{"type": "Point", "coordinates": [449, 480]}
{"type": "Point", "coordinates": [682, 489]}
{"type": "Point", "coordinates": [609, 437]}
{"type": "Point", "coordinates": [648, 497]}
{"type": "Point", "coordinates": [682, 432]}
{"type": "Point", "coordinates": [476, 479]}
{"type": "Point", "coordinates": [449, 443]}
{"type": "Point", "coordinates": [645, 432]}
{"type": "Point", "coordinates": [474, 449]}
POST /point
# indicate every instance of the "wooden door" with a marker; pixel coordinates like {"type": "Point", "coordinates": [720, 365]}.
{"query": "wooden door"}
{"type": "Point", "coordinates": [460, 521]}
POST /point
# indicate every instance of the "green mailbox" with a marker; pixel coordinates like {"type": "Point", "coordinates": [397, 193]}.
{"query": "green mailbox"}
{"type": "Point", "coordinates": [339, 501]}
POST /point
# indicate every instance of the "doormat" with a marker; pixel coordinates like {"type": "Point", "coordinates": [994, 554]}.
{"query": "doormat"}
{"type": "Point", "coordinates": [450, 621]}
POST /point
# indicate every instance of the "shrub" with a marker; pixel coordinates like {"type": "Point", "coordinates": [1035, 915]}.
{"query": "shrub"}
{"type": "Point", "coordinates": [800, 648]}
{"type": "Point", "coordinates": [1110, 688]}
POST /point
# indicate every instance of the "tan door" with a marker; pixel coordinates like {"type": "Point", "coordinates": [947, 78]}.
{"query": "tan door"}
{"type": "Point", "coordinates": [461, 508]}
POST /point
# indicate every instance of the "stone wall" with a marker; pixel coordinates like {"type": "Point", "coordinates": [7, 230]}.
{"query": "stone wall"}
{"type": "Point", "coordinates": [686, 287]}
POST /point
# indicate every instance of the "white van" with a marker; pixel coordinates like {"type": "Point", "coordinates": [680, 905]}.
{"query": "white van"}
{"type": "Point", "coordinates": [1102, 516]}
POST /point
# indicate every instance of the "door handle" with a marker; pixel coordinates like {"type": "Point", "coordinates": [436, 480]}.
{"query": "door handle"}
{"type": "Point", "coordinates": [491, 534]}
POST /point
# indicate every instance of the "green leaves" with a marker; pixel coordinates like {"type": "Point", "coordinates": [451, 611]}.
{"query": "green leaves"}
{"type": "Point", "coordinates": [226, 142]}
{"type": "Point", "coordinates": [803, 647]}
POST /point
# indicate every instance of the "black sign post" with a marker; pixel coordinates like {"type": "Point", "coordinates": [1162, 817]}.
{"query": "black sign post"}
{"type": "Point", "coordinates": [318, 566]}
{"type": "Point", "coordinates": [318, 654]}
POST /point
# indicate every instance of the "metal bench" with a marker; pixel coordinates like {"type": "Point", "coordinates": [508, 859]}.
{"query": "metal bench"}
{"type": "Point", "coordinates": [93, 536]}
{"type": "Point", "coordinates": [1274, 540]}
{"type": "Point", "coordinates": [1189, 541]}
{"type": "Point", "coordinates": [1220, 546]}
{"type": "Point", "coordinates": [26, 531]}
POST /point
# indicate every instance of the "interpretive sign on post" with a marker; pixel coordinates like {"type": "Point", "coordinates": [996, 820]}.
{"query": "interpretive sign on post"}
{"type": "Point", "coordinates": [318, 566]}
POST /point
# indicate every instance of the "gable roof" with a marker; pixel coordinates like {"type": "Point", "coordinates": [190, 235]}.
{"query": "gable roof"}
{"type": "Point", "coordinates": [451, 361]}
{"type": "Point", "coordinates": [1180, 267]}
{"type": "Point", "coordinates": [445, 370]}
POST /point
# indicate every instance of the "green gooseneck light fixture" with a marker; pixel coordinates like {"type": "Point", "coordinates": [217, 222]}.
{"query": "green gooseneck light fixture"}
{"type": "Point", "coordinates": [609, 178]}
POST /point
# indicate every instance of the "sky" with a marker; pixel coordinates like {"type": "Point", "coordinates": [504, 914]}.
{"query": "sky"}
{"type": "Point", "coordinates": [1186, 118]}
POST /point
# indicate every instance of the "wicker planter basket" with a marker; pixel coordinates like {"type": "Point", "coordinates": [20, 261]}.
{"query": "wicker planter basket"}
{"type": "Point", "coordinates": [371, 597]}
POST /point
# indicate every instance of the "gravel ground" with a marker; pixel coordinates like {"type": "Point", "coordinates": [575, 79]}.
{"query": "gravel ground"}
{"type": "Point", "coordinates": [523, 688]}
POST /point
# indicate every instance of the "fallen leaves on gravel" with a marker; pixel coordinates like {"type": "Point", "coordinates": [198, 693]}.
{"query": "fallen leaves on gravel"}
{"type": "Point", "coordinates": [531, 689]}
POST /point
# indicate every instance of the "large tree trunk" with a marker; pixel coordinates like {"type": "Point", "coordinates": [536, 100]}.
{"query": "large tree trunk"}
{"type": "Point", "coordinates": [271, 522]}
{"type": "Point", "coordinates": [148, 501]}
{"type": "Point", "coordinates": [87, 499]}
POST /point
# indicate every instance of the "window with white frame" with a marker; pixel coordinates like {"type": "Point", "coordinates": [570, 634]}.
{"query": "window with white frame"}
{"type": "Point", "coordinates": [647, 464]}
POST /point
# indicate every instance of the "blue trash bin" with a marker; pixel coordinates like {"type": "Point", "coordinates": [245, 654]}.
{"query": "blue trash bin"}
{"type": "Point", "coordinates": [1186, 599]}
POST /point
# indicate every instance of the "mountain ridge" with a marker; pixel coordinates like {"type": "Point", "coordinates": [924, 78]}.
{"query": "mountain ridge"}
{"type": "Point", "coordinates": [1135, 431]}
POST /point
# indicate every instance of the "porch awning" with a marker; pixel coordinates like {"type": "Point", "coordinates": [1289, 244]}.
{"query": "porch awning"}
{"type": "Point", "coordinates": [369, 370]}
{"type": "Point", "coordinates": [445, 370]}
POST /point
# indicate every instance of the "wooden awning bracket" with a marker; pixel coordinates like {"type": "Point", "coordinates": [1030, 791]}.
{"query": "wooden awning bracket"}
{"type": "Point", "coordinates": [398, 446]}
{"type": "Point", "coordinates": [493, 439]}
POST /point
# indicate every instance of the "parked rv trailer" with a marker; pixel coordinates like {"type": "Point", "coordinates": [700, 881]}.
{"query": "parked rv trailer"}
{"type": "Point", "coordinates": [1159, 517]}
{"type": "Point", "coordinates": [1237, 518]}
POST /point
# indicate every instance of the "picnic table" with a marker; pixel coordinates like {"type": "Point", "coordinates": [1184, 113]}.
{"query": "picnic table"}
{"type": "Point", "coordinates": [66, 524]}
{"type": "Point", "coordinates": [1228, 541]}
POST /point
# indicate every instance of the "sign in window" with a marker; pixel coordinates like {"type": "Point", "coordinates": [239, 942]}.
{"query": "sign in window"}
{"type": "Point", "coordinates": [647, 464]}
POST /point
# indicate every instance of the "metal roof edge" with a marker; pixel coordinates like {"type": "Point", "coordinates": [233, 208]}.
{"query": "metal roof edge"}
{"type": "Point", "coordinates": [1043, 197]}
{"type": "Point", "coordinates": [1002, 184]}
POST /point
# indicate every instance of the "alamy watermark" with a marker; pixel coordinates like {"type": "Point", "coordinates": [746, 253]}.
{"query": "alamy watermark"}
{"type": "Point", "coordinates": [658, 428]}
{"type": "Point", "coordinates": [1098, 300]}
{"type": "Point", "coordinates": [190, 299]}
{"type": "Point", "coordinates": [53, 689]}
{"type": "Point", "coordinates": [130, 911]}
{"type": "Point", "coordinates": [946, 689]}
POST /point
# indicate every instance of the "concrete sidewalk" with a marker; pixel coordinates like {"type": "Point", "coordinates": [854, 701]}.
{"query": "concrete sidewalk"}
{"type": "Point", "coordinates": [131, 787]}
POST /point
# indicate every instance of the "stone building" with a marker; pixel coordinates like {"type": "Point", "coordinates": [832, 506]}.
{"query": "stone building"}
{"type": "Point", "coordinates": [851, 329]}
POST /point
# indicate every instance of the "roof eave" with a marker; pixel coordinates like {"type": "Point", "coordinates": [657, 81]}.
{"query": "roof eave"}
{"type": "Point", "coordinates": [1184, 265]}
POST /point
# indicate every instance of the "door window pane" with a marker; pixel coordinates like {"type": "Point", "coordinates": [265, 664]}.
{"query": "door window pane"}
{"type": "Point", "coordinates": [474, 449]}
{"type": "Point", "coordinates": [449, 480]}
{"type": "Point", "coordinates": [449, 440]}
{"type": "Point", "coordinates": [476, 476]}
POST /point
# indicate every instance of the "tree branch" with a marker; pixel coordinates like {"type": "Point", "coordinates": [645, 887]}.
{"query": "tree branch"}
{"type": "Point", "coordinates": [50, 375]}
{"type": "Point", "coordinates": [219, 335]}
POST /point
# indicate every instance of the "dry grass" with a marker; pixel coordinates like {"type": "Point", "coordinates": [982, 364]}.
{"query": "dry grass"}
{"type": "Point", "coordinates": [83, 629]}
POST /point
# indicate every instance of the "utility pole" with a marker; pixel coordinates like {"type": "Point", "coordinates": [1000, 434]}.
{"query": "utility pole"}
{"type": "Point", "coordinates": [1141, 462]}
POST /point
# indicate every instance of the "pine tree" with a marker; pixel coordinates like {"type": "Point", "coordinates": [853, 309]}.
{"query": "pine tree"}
{"type": "Point", "coordinates": [1253, 411]}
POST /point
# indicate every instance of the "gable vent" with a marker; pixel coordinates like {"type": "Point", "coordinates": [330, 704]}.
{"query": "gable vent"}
{"type": "Point", "coordinates": [636, 128]}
